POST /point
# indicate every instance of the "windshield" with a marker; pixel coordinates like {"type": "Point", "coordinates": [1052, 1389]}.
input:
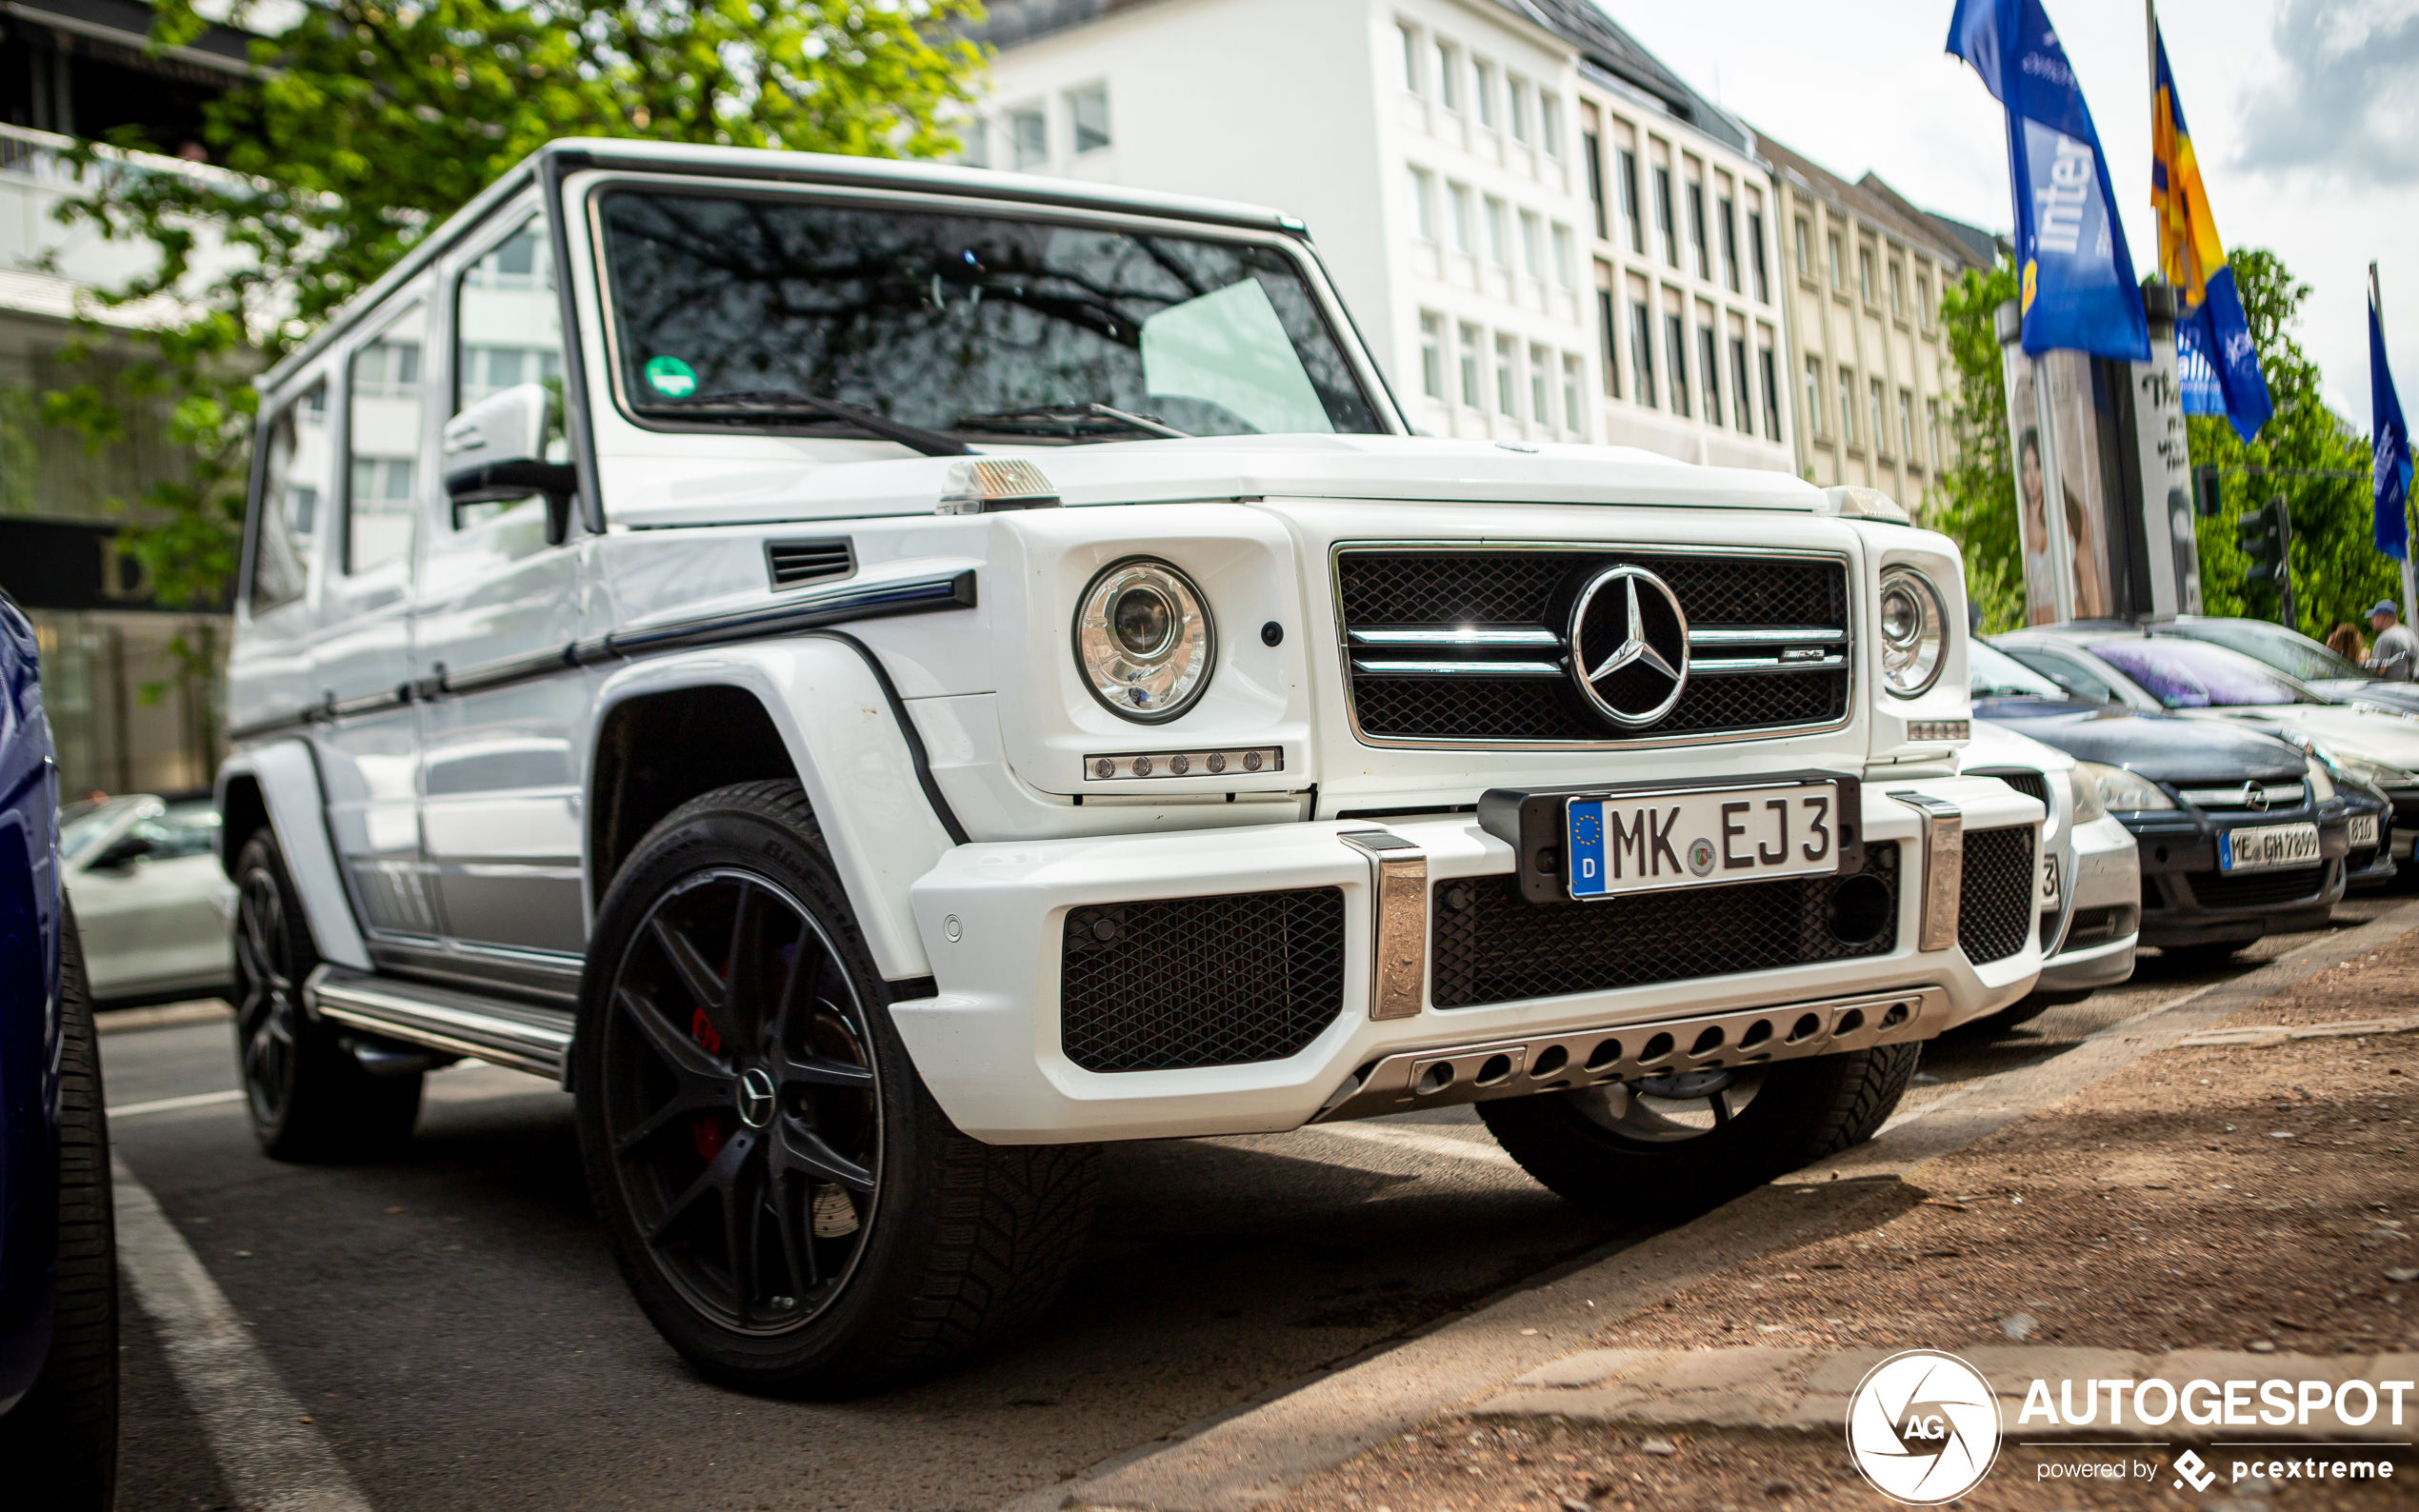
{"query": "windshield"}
{"type": "Point", "coordinates": [1993, 673]}
{"type": "Point", "coordinates": [986, 327]}
{"type": "Point", "coordinates": [2194, 674]}
{"type": "Point", "coordinates": [2289, 651]}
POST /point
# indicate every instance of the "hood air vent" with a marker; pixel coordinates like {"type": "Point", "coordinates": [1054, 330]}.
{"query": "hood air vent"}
{"type": "Point", "coordinates": [796, 564]}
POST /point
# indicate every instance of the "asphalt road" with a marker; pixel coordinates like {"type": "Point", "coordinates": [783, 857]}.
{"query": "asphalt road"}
{"type": "Point", "coordinates": [451, 1322]}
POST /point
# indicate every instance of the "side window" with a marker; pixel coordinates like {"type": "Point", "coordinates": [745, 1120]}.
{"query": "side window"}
{"type": "Point", "coordinates": [386, 395]}
{"type": "Point", "coordinates": [508, 330]}
{"type": "Point", "coordinates": [293, 497]}
{"type": "Point", "coordinates": [2068, 674]}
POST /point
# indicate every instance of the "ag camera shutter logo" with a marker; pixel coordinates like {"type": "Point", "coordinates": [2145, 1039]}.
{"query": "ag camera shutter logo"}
{"type": "Point", "coordinates": [1922, 1427]}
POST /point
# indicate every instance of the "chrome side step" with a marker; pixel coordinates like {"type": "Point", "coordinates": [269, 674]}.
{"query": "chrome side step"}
{"type": "Point", "coordinates": [520, 1035]}
{"type": "Point", "coordinates": [1623, 1052]}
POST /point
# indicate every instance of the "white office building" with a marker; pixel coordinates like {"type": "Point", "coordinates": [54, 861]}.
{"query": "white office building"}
{"type": "Point", "coordinates": [1447, 155]}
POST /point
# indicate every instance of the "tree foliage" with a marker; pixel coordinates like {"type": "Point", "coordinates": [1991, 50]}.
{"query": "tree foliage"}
{"type": "Point", "coordinates": [1980, 486]}
{"type": "Point", "coordinates": [365, 123]}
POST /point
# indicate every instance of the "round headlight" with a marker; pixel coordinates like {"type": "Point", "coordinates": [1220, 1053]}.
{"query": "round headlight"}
{"type": "Point", "coordinates": [1143, 640]}
{"type": "Point", "coordinates": [1913, 632]}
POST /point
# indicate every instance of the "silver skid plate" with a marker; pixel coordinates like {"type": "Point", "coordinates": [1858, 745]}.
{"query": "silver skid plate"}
{"type": "Point", "coordinates": [1577, 1058]}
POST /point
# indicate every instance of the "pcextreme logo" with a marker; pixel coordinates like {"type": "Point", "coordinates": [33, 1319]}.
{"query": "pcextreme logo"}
{"type": "Point", "coordinates": [1922, 1427]}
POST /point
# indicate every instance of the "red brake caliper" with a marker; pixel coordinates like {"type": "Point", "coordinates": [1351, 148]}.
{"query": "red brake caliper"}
{"type": "Point", "coordinates": [706, 1129]}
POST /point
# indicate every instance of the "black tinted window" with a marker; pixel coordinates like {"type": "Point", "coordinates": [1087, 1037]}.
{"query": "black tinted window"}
{"type": "Point", "coordinates": [964, 322]}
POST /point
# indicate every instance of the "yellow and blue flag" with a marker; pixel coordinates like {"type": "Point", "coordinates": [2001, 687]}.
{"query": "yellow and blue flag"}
{"type": "Point", "coordinates": [2215, 360]}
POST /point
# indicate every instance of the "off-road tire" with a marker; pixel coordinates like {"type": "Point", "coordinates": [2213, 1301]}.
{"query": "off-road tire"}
{"type": "Point", "coordinates": [313, 1102]}
{"type": "Point", "coordinates": [967, 1244]}
{"type": "Point", "coordinates": [1804, 1110]}
{"type": "Point", "coordinates": [60, 1441]}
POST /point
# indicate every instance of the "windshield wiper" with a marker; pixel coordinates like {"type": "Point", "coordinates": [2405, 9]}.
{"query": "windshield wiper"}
{"type": "Point", "coordinates": [1072, 418]}
{"type": "Point", "coordinates": [748, 401]}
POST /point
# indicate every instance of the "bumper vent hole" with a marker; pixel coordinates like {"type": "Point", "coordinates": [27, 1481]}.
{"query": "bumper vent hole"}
{"type": "Point", "coordinates": [1756, 1034]}
{"type": "Point", "coordinates": [1606, 1057]}
{"type": "Point", "coordinates": [1434, 1079]}
{"type": "Point", "coordinates": [1707, 1043]}
{"type": "Point", "coordinates": [1550, 1061]}
{"type": "Point", "coordinates": [1807, 1027]}
{"type": "Point", "coordinates": [1494, 1070]}
{"type": "Point", "coordinates": [1897, 1015]}
{"type": "Point", "coordinates": [1860, 909]}
{"type": "Point", "coordinates": [1850, 1021]}
{"type": "Point", "coordinates": [1656, 1049]}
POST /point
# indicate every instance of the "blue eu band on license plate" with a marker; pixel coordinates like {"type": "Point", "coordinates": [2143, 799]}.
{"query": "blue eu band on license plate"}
{"type": "Point", "coordinates": [1653, 840]}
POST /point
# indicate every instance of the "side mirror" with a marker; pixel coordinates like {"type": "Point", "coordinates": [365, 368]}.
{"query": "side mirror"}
{"type": "Point", "coordinates": [495, 453]}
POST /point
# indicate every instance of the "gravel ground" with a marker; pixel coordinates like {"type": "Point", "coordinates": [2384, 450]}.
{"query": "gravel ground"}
{"type": "Point", "coordinates": [2217, 1198]}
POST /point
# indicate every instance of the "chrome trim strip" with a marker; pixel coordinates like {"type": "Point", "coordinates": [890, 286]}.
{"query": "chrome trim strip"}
{"type": "Point", "coordinates": [1571, 1059]}
{"type": "Point", "coordinates": [1943, 841]}
{"type": "Point", "coordinates": [1398, 923]}
{"type": "Point", "coordinates": [2281, 795]}
{"type": "Point", "coordinates": [1387, 668]}
{"type": "Point", "coordinates": [438, 1018]}
{"type": "Point", "coordinates": [1338, 550]}
{"type": "Point", "coordinates": [1723, 666]}
{"type": "Point", "coordinates": [1765, 634]}
{"type": "Point", "coordinates": [1465, 635]}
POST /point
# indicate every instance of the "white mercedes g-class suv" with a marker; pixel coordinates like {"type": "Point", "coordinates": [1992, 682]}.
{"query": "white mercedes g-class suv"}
{"type": "Point", "coordinates": [884, 676]}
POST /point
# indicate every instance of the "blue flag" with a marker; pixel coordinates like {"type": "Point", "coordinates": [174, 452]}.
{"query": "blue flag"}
{"type": "Point", "coordinates": [2215, 358]}
{"type": "Point", "coordinates": [2390, 448]}
{"type": "Point", "coordinates": [2078, 290]}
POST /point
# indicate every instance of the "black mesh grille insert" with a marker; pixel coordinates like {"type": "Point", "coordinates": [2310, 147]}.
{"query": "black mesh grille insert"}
{"type": "Point", "coordinates": [2032, 785]}
{"type": "Point", "coordinates": [2254, 889]}
{"type": "Point", "coordinates": [1994, 904]}
{"type": "Point", "coordinates": [1190, 982]}
{"type": "Point", "coordinates": [1492, 945]}
{"type": "Point", "coordinates": [1534, 590]}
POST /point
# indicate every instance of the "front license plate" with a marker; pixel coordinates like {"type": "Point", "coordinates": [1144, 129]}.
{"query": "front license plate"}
{"type": "Point", "coordinates": [1649, 842]}
{"type": "Point", "coordinates": [2049, 881]}
{"type": "Point", "coordinates": [2268, 848]}
{"type": "Point", "coordinates": [2364, 831]}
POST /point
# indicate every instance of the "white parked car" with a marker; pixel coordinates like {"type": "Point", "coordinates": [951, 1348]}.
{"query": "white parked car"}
{"type": "Point", "coordinates": [883, 676]}
{"type": "Point", "coordinates": [2091, 871]}
{"type": "Point", "coordinates": [150, 900]}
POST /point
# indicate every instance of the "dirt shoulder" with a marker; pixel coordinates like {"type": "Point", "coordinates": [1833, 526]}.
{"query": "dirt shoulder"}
{"type": "Point", "coordinates": [2210, 1197]}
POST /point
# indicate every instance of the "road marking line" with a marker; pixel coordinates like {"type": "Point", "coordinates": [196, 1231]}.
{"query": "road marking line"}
{"type": "Point", "coordinates": [1412, 1139]}
{"type": "Point", "coordinates": [168, 1105]}
{"type": "Point", "coordinates": [270, 1457]}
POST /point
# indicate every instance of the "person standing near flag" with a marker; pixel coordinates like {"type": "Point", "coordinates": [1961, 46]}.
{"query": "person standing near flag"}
{"type": "Point", "coordinates": [2215, 357]}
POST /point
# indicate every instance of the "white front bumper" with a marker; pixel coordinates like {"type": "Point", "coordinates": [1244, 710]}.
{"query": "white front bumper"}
{"type": "Point", "coordinates": [2106, 873]}
{"type": "Point", "coordinates": [992, 918]}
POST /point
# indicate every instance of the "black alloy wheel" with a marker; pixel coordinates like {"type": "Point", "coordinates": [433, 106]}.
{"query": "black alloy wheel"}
{"type": "Point", "coordinates": [741, 1102]}
{"type": "Point", "coordinates": [268, 1006]}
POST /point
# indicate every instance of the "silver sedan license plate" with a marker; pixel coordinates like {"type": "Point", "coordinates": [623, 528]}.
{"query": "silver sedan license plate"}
{"type": "Point", "coordinates": [1650, 841]}
{"type": "Point", "coordinates": [2364, 831]}
{"type": "Point", "coordinates": [2268, 848]}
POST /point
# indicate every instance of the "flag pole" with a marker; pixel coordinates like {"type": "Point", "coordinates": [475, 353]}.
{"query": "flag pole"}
{"type": "Point", "coordinates": [2409, 599]}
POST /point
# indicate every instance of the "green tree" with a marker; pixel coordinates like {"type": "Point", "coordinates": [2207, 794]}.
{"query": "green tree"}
{"type": "Point", "coordinates": [1979, 488]}
{"type": "Point", "coordinates": [2337, 571]}
{"type": "Point", "coordinates": [365, 124]}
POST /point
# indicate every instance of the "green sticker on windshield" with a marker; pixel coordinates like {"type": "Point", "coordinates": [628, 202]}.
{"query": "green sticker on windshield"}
{"type": "Point", "coordinates": [672, 376]}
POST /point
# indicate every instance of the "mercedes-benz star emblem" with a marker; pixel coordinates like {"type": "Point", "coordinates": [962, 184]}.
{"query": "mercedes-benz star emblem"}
{"type": "Point", "coordinates": [755, 1097]}
{"type": "Point", "coordinates": [1629, 646]}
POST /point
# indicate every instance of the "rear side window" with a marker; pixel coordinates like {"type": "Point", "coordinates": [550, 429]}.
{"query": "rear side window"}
{"type": "Point", "coordinates": [293, 499]}
{"type": "Point", "coordinates": [386, 391]}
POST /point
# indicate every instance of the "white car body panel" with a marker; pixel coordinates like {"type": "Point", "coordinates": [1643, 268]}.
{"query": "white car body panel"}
{"type": "Point", "coordinates": [298, 815]}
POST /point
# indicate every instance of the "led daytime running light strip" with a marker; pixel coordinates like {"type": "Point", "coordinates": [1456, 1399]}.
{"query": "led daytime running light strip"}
{"type": "Point", "coordinates": [1185, 764]}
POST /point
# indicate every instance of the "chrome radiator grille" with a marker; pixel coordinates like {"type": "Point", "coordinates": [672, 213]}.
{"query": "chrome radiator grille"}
{"type": "Point", "coordinates": [1454, 645]}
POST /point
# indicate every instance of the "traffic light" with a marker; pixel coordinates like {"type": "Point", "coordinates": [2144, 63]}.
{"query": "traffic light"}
{"type": "Point", "coordinates": [2265, 535]}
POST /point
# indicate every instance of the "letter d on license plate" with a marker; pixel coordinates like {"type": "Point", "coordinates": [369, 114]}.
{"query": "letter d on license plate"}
{"type": "Point", "coordinates": [1649, 842]}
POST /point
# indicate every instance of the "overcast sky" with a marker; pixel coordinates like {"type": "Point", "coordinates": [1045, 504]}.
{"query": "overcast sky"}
{"type": "Point", "coordinates": [2305, 115]}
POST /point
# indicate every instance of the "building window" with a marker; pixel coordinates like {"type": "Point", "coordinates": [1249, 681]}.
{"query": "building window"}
{"type": "Point", "coordinates": [1594, 148]}
{"type": "Point", "coordinates": [1742, 400]}
{"type": "Point", "coordinates": [1029, 138]}
{"type": "Point", "coordinates": [1696, 231]}
{"type": "Point", "coordinates": [1459, 196]}
{"type": "Point", "coordinates": [1923, 301]}
{"type": "Point", "coordinates": [1881, 431]}
{"type": "Point", "coordinates": [1932, 424]}
{"type": "Point", "coordinates": [1805, 251]}
{"type": "Point", "coordinates": [1517, 91]}
{"type": "Point", "coordinates": [1470, 365]}
{"type": "Point", "coordinates": [1771, 370]}
{"type": "Point", "coordinates": [1813, 418]}
{"type": "Point", "coordinates": [1728, 212]}
{"type": "Point", "coordinates": [1448, 77]}
{"type": "Point", "coordinates": [1847, 406]}
{"type": "Point", "coordinates": [1498, 251]}
{"type": "Point", "coordinates": [974, 138]}
{"type": "Point", "coordinates": [1629, 201]}
{"type": "Point", "coordinates": [1541, 404]}
{"type": "Point", "coordinates": [1906, 426]}
{"type": "Point", "coordinates": [1608, 322]}
{"type": "Point", "coordinates": [1571, 394]}
{"type": "Point", "coordinates": [1839, 269]}
{"type": "Point", "coordinates": [1550, 123]}
{"type": "Point", "coordinates": [1532, 257]}
{"type": "Point", "coordinates": [1422, 214]}
{"type": "Point", "coordinates": [1710, 373]}
{"type": "Point", "coordinates": [1410, 58]}
{"type": "Point", "coordinates": [1431, 356]}
{"type": "Point", "coordinates": [1482, 84]}
{"type": "Point", "coordinates": [1865, 273]}
{"type": "Point", "coordinates": [1675, 346]}
{"type": "Point", "coordinates": [1507, 379]}
{"type": "Point", "coordinates": [1562, 255]}
{"type": "Point", "coordinates": [1663, 219]}
{"type": "Point", "coordinates": [1088, 110]}
{"type": "Point", "coordinates": [1897, 290]}
{"type": "Point", "coordinates": [1642, 351]}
